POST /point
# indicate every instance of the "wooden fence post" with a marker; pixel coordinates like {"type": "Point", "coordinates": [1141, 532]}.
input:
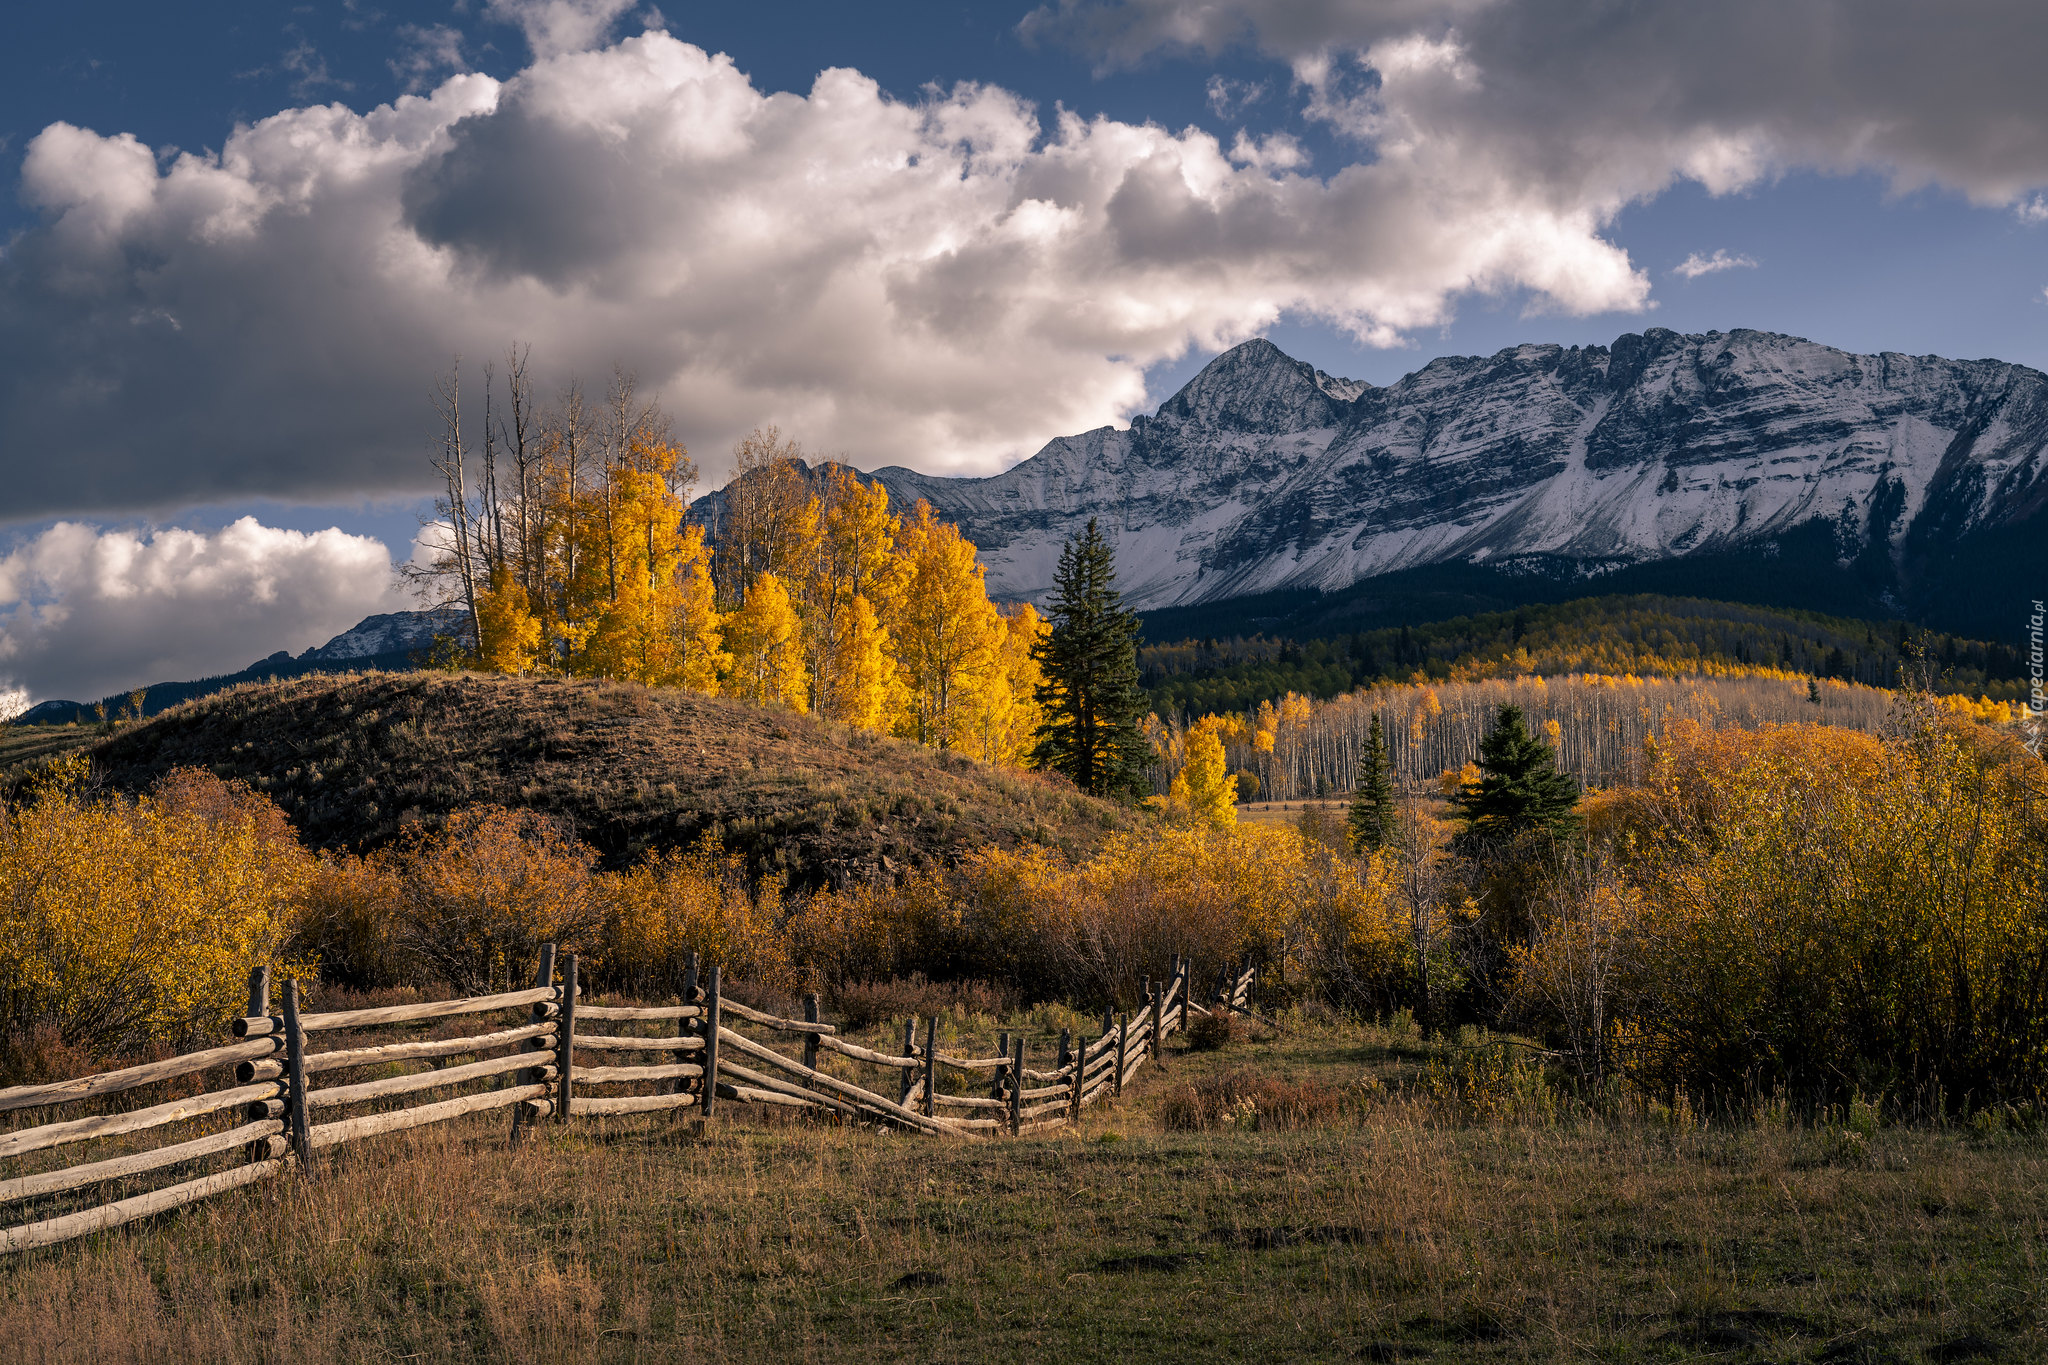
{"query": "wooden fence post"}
{"type": "Point", "coordinates": [543, 977]}
{"type": "Point", "coordinates": [1016, 1084]}
{"type": "Point", "coordinates": [259, 1008]}
{"type": "Point", "coordinates": [1158, 1015]}
{"type": "Point", "coordinates": [905, 1077]}
{"type": "Point", "coordinates": [711, 1018]}
{"type": "Point", "coordinates": [931, 1055]}
{"type": "Point", "coordinates": [565, 1040]}
{"type": "Point", "coordinates": [811, 1039]}
{"type": "Point", "coordinates": [1123, 1042]}
{"type": "Point", "coordinates": [1080, 1065]}
{"type": "Point", "coordinates": [295, 1124]}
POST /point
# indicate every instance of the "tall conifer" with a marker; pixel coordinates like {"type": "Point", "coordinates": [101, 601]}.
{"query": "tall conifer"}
{"type": "Point", "coordinates": [1090, 695]}
{"type": "Point", "coordinates": [1372, 804]}
{"type": "Point", "coordinates": [1519, 789]}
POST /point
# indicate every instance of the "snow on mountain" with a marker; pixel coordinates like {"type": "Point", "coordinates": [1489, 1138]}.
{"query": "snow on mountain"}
{"type": "Point", "coordinates": [390, 633]}
{"type": "Point", "coordinates": [1265, 473]}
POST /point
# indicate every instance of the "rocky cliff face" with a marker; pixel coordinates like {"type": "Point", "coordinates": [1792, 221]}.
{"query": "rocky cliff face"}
{"type": "Point", "coordinates": [1264, 473]}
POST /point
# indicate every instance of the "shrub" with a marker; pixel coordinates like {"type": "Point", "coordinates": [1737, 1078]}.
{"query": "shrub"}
{"type": "Point", "coordinates": [1250, 1102]}
{"type": "Point", "coordinates": [677, 903]}
{"type": "Point", "coordinates": [127, 923]}
{"type": "Point", "coordinates": [1213, 1032]}
{"type": "Point", "coordinates": [477, 898]}
{"type": "Point", "coordinates": [1824, 910]}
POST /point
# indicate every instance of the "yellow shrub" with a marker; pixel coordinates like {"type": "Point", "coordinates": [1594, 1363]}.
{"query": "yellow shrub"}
{"type": "Point", "coordinates": [1825, 910]}
{"type": "Point", "coordinates": [130, 924]}
{"type": "Point", "coordinates": [478, 897]}
{"type": "Point", "coordinates": [677, 903]}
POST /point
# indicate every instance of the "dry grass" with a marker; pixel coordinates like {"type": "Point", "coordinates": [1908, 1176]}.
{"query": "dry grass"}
{"type": "Point", "coordinates": [355, 760]}
{"type": "Point", "coordinates": [1380, 1233]}
{"type": "Point", "coordinates": [23, 747]}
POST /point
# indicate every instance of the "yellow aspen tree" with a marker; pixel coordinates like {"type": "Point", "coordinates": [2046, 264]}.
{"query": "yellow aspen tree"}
{"type": "Point", "coordinates": [766, 640]}
{"type": "Point", "coordinates": [634, 636]}
{"type": "Point", "coordinates": [854, 559]}
{"type": "Point", "coordinates": [770, 523]}
{"type": "Point", "coordinates": [508, 632]}
{"type": "Point", "coordinates": [697, 625]}
{"type": "Point", "coordinates": [862, 686]}
{"type": "Point", "coordinates": [946, 630]}
{"type": "Point", "coordinates": [1204, 788]}
{"type": "Point", "coordinates": [1010, 714]}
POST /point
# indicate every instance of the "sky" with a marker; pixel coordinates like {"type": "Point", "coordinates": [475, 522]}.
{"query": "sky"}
{"type": "Point", "coordinates": [242, 240]}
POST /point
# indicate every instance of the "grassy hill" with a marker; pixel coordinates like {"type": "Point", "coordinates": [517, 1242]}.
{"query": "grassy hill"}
{"type": "Point", "coordinates": [356, 760]}
{"type": "Point", "coordinates": [1644, 634]}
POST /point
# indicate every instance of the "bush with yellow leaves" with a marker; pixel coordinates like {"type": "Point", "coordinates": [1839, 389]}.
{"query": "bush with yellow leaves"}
{"type": "Point", "coordinates": [128, 924]}
{"type": "Point", "coordinates": [1820, 910]}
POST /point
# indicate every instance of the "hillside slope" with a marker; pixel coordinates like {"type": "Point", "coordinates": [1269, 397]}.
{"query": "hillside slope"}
{"type": "Point", "coordinates": [356, 760]}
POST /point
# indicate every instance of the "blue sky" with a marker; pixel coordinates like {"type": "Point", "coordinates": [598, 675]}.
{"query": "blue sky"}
{"type": "Point", "coordinates": [228, 280]}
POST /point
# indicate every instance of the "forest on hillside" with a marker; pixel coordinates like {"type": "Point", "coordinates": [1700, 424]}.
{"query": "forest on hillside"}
{"type": "Point", "coordinates": [1645, 635]}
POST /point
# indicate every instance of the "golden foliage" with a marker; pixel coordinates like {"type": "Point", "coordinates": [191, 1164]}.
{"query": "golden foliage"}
{"type": "Point", "coordinates": [130, 923]}
{"type": "Point", "coordinates": [766, 640]}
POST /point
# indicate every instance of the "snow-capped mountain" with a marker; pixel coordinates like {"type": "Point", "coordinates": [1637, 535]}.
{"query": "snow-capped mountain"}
{"type": "Point", "coordinates": [1264, 473]}
{"type": "Point", "coordinates": [391, 633]}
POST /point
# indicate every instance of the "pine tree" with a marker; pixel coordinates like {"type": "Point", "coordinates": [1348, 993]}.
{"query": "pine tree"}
{"type": "Point", "coordinates": [1090, 696]}
{"type": "Point", "coordinates": [1519, 788]}
{"type": "Point", "coordinates": [1372, 804]}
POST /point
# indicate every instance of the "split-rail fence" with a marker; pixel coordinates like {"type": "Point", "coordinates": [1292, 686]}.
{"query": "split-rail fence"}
{"type": "Point", "coordinates": [557, 1059]}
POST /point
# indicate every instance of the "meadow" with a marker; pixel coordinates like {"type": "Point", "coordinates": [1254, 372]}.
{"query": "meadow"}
{"type": "Point", "coordinates": [1747, 1062]}
{"type": "Point", "coordinates": [1420, 1199]}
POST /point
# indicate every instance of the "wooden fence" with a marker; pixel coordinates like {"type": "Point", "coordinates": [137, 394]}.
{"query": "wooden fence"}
{"type": "Point", "coordinates": [282, 1108]}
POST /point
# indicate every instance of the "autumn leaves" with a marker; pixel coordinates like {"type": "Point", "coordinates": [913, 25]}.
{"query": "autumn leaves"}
{"type": "Point", "coordinates": [818, 596]}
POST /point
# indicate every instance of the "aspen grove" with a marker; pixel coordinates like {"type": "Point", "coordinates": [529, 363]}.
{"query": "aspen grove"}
{"type": "Point", "coordinates": [562, 537]}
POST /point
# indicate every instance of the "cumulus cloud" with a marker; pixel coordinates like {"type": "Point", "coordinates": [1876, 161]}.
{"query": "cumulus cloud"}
{"type": "Point", "coordinates": [945, 282]}
{"type": "Point", "coordinates": [1696, 265]}
{"type": "Point", "coordinates": [85, 612]}
{"type": "Point", "coordinates": [425, 54]}
{"type": "Point", "coordinates": [553, 27]}
{"type": "Point", "coordinates": [1607, 102]}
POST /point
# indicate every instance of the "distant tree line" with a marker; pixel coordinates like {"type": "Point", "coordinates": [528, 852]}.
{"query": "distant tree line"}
{"type": "Point", "coordinates": [1644, 635]}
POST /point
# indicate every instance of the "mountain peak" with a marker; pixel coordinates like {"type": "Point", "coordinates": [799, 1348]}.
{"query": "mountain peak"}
{"type": "Point", "coordinates": [1257, 387]}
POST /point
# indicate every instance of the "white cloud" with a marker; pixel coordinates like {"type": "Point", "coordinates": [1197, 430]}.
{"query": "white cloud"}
{"type": "Point", "coordinates": [1595, 102]}
{"type": "Point", "coordinates": [553, 27]}
{"type": "Point", "coordinates": [1229, 97]}
{"type": "Point", "coordinates": [1696, 265]}
{"type": "Point", "coordinates": [425, 54]}
{"type": "Point", "coordinates": [946, 283]}
{"type": "Point", "coordinates": [2033, 210]}
{"type": "Point", "coordinates": [85, 612]}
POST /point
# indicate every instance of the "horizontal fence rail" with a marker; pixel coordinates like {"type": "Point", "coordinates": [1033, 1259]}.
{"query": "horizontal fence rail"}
{"type": "Point", "coordinates": [556, 1059]}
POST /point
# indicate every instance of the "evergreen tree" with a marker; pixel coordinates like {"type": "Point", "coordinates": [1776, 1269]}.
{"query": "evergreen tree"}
{"type": "Point", "coordinates": [1372, 805]}
{"type": "Point", "coordinates": [1090, 696]}
{"type": "Point", "coordinates": [1519, 788]}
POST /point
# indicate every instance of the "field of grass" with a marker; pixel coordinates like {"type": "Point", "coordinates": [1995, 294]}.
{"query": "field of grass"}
{"type": "Point", "coordinates": [22, 746]}
{"type": "Point", "coordinates": [1399, 1227]}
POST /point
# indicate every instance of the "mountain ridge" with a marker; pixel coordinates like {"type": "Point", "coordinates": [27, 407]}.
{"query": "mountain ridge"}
{"type": "Point", "coordinates": [1265, 475]}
